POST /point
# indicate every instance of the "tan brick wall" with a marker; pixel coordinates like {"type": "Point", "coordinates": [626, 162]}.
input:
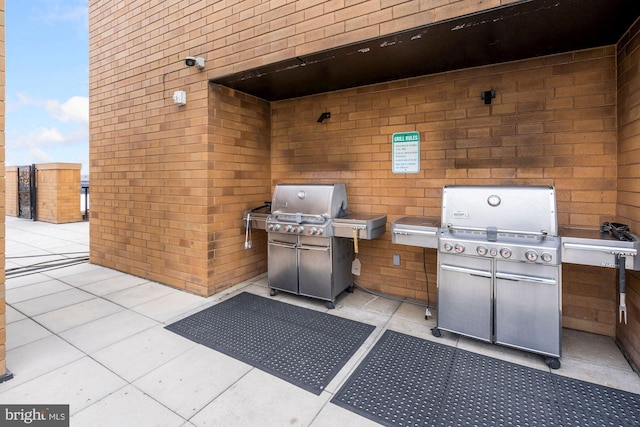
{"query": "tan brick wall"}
{"type": "Point", "coordinates": [241, 172]}
{"type": "Point", "coordinates": [169, 183]}
{"type": "Point", "coordinates": [553, 122]}
{"type": "Point", "coordinates": [11, 190]}
{"type": "Point", "coordinates": [153, 211]}
{"type": "Point", "coordinates": [58, 192]}
{"type": "Point", "coordinates": [629, 174]}
{"type": "Point", "coordinates": [3, 322]}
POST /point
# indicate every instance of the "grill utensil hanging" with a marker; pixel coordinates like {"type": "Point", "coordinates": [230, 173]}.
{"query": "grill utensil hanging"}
{"type": "Point", "coordinates": [620, 232]}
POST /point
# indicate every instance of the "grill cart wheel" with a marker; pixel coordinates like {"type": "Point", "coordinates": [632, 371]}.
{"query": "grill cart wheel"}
{"type": "Point", "coordinates": [329, 305]}
{"type": "Point", "coordinates": [272, 292]}
{"type": "Point", "coordinates": [552, 362]}
{"type": "Point", "coordinates": [436, 332]}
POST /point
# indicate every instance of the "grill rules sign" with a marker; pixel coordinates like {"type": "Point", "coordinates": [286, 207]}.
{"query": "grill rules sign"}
{"type": "Point", "coordinates": [405, 152]}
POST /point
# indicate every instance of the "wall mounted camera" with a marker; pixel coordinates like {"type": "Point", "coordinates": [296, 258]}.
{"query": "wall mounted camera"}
{"type": "Point", "coordinates": [192, 61]}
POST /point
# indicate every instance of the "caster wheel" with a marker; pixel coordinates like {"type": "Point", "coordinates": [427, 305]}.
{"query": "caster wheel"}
{"type": "Point", "coordinates": [436, 332]}
{"type": "Point", "coordinates": [349, 290]}
{"type": "Point", "coordinates": [552, 362]}
{"type": "Point", "coordinates": [329, 305]}
{"type": "Point", "coordinates": [272, 292]}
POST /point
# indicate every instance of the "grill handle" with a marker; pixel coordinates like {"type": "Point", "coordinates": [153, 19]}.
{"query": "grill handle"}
{"type": "Point", "coordinates": [314, 248]}
{"type": "Point", "coordinates": [604, 249]}
{"type": "Point", "coordinates": [318, 216]}
{"type": "Point", "coordinates": [298, 217]}
{"type": "Point", "coordinates": [525, 278]}
{"type": "Point", "coordinates": [541, 233]}
{"type": "Point", "coordinates": [466, 270]}
{"type": "Point", "coordinates": [403, 232]}
{"type": "Point", "coordinates": [283, 245]}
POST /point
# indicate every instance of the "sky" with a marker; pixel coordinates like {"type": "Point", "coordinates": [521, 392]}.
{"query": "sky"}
{"type": "Point", "coordinates": [47, 82]}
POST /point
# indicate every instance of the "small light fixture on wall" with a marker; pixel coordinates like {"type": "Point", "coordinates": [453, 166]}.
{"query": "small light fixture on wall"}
{"type": "Point", "coordinates": [325, 115]}
{"type": "Point", "coordinates": [488, 95]}
{"type": "Point", "coordinates": [180, 97]}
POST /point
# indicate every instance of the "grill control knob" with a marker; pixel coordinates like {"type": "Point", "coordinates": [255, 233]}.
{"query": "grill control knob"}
{"type": "Point", "coordinates": [320, 231]}
{"type": "Point", "coordinates": [505, 253]}
{"type": "Point", "coordinates": [270, 227]}
{"type": "Point", "coordinates": [300, 229]}
{"type": "Point", "coordinates": [276, 227]}
{"type": "Point", "coordinates": [546, 257]}
{"type": "Point", "coordinates": [531, 255]}
{"type": "Point", "coordinates": [448, 247]}
{"type": "Point", "coordinates": [459, 248]}
{"type": "Point", "coordinates": [312, 231]}
{"type": "Point", "coordinates": [288, 228]}
{"type": "Point", "coordinates": [493, 252]}
{"type": "Point", "coordinates": [482, 250]}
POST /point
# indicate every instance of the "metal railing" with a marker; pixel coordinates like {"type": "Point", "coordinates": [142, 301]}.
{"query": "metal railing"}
{"type": "Point", "coordinates": [84, 190]}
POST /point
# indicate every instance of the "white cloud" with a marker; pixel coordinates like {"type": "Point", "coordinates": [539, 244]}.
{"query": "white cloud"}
{"type": "Point", "coordinates": [52, 11]}
{"type": "Point", "coordinates": [75, 109]}
{"type": "Point", "coordinates": [46, 136]}
{"type": "Point", "coordinates": [38, 156]}
{"type": "Point", "coordinates": [24, 99]}
{"type": "Point", "coordinates": [15, 103]}
{"type": "Point", "coordinates": [43, 137]}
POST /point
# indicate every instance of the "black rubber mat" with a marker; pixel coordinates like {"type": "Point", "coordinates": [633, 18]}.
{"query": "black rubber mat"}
{"type": "Point", "coordinates": [408, 381]}
{"type": "Point", "coordinates": [302, 346]}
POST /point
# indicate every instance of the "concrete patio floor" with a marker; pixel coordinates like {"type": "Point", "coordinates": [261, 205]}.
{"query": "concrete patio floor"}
{"type": "Point", "coordinates": [94, 338]}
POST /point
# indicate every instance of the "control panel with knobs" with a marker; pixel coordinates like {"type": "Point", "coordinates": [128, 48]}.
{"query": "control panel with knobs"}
{"type": "Point", "coordinates": [515, 253]}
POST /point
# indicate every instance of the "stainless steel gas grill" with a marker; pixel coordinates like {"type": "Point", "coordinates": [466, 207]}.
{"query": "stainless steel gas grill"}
{"type": "Point", "coordinates": [311, 239]}
{"type": "Point", "coordinates": [499, 263]}
{"type": "Point", "coordinates": [499, 275]}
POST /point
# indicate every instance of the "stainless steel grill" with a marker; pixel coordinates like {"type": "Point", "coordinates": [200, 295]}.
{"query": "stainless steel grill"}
{"type": "Point", "coordinates": [307, 210]}
{"type": "Point", "coordinates": [499, 263]}
{"type": "Point", "coordinates": [311, 239]}
{"type": "Point", "coordinates": [499, 275]}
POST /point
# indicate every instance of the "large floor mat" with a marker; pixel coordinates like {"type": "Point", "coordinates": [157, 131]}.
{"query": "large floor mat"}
{"type": "Point", "coordinates": [305, 347]}
{"type": "Point", "coordinates": [408, 381]}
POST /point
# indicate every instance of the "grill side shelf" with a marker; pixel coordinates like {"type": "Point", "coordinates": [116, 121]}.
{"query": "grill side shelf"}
{"type": "Point", "coordinates": [415, 231]}
{"type": "Point", "coordinates": [369, 226]}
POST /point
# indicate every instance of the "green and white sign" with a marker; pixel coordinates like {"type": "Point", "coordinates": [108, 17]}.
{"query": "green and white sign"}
{"type": "Point", "coordinates": [405, 152]}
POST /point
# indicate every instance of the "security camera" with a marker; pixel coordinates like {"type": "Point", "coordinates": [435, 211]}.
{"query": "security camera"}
{"type": "Point", "coordinates": [192, 61]}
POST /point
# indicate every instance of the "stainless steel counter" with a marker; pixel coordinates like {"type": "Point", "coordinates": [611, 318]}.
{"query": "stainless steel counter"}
{"type": "Point", "coordinates": [588, 246]}
{"type": "Point", "coordinates": [415, 231]}
{"type": "Point", "coordinates": [369, 226]}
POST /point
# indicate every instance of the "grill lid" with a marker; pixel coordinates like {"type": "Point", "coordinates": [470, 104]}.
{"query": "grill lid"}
{"type": "Point", "coordinates": [516, 209]}
{"type": "Point", "coordinates": [322, 200]}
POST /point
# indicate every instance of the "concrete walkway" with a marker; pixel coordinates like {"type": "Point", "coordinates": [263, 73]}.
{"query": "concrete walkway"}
{"type": "Point", "coordinates": [94, 338]}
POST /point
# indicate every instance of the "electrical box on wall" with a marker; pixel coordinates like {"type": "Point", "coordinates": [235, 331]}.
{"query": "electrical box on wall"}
{"type": "Point", "coordinates": [180, 97]}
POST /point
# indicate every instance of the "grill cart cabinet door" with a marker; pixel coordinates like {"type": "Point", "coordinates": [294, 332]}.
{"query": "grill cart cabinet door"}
{"type": "Point", "coordinates": [528, 307]}
{"type": "Point", "coordinates": [315, 271]}
{"type": "Point", "coordinates": [324, 267]}
{"type": "Point", "coordinates": [464, 296]}
{"type": "Point", "coordinates": [283, 266]}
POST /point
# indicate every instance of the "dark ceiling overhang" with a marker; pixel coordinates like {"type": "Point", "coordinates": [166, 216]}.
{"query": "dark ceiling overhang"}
{"type": "Point", "coordinates": [522, 30]}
